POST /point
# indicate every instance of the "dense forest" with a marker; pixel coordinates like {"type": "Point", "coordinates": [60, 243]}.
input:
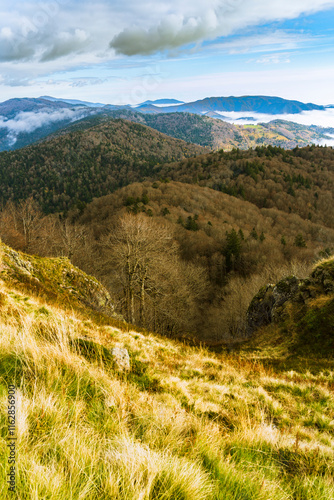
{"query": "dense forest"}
{"type": "Point", "coordinates": [76, 167]}
{"type": "Point", "coordinates": [297, 181]}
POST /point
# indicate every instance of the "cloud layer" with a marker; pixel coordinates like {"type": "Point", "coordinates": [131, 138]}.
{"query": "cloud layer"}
{"type": "Point", "coordinates": [29, 121]}
{"type": "Point", "coordinates": [320, 118]}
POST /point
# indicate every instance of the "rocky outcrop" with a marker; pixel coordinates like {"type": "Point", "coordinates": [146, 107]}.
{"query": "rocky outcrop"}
{"type": "Point", "coordinates": [269, 304]}
{"type": "Point", "coordinates": [56, 278]}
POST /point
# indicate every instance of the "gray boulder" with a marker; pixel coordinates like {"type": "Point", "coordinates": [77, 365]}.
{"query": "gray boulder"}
{"type": "Point", "coordinates": [268, 303]}
{"type": "Point", "coordinates": [121, 358]}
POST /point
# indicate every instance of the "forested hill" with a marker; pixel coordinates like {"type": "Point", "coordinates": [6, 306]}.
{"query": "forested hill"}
{"type": "Point", "coordinates": [72, 169]}
{"type": "Point", "coordinates": [299, 181]}
{"type": "Point", "coordinates": [211, 132]}
{"type": "Point", "coordinates": [185, 126]}
{"type": "Point", "coordinates": [81, 165]}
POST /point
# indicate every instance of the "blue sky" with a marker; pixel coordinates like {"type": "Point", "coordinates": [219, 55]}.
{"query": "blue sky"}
{"type": "Point", "coordinates": [129, 51]}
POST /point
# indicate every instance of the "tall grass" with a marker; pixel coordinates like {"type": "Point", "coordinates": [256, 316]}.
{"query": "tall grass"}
{"type": "Point", "coordinates": [184, 424]}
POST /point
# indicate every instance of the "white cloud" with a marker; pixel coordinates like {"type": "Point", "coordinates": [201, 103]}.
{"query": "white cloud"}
{"type": "Point", "coordinates": [28, 121]}
{"type": "Point", "coordinates": [51, 39]}
{"type": "Point", "coordinates": [58, 29]}
{"type": "Point", "coordinates": [216, 18]}
{"type": "Point", "coordinates": [273, 59]}
{"type": "Point", "coordinates": [65, 44]}
{"type": "Point", "coordinates": [172, 32]}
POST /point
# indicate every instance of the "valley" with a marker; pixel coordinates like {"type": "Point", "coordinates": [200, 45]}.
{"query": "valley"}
{"type": "Point", "coordinates": [209, 268]}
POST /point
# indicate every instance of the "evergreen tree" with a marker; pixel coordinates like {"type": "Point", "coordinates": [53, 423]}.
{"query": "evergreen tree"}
{"type": "Point", "coordinates": [299, 241]}
{"type": "Point", "coordinates": [232, 250]}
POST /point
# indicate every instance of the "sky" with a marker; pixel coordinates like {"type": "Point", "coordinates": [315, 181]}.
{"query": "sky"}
{"type": "Point", "coordinates": [127, 51]}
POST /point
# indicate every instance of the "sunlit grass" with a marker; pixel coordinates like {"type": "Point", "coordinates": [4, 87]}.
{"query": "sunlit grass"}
{"type": "Point", "coordinates": [184, 424]}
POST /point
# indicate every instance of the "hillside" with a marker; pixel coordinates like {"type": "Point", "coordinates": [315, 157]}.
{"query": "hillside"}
{"type": "Point", "coordinates": [300, 181]}
{"type": "Point", "coordinates": [211, 132]}
{"type": "Point", "coordinates": [213, 212]}
{"type": "Point", "coordinates": [228, 224]}
{"type": "Point", "coordinates": [216, 251]}
{"type": "Point", "coordinates": [178, 422]}
{"type": "Point", "coordinates": [79, 166]}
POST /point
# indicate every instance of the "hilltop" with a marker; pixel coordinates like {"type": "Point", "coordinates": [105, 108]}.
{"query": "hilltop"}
{"type": "Point", "coordinates": [85, 164]}
{"type": "Point", "coordinates": [178, 422]}
{"type": "Point", "coordinates": [212, 132]}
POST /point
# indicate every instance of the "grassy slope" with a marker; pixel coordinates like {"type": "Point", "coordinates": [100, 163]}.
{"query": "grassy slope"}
{"type": "Point", "coordinates": [183, 424]}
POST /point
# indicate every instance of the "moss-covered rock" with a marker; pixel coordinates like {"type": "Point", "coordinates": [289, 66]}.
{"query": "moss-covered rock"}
{"type": "Point", "coordinates": [302, 310]}
{"type": "Point", "coordinates": [55, 278]}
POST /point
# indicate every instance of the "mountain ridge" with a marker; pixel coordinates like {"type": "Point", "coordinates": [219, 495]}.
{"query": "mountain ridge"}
{"type": "Point", "coordinates": [28, 120]}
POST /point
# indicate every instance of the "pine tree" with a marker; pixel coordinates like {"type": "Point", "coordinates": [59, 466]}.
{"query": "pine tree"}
{"type": "Point", "coordinates": [232, 250]}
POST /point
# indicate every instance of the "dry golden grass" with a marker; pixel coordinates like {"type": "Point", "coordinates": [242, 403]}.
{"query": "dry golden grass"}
{"type": "Point", "coordinates": [184, 424]}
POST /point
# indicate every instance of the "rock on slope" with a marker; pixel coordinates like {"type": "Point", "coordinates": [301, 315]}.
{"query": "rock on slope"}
{"type": "Point", "coordinates": [55, 278]}
{"type": "Point", "coordinates": [296, 312]}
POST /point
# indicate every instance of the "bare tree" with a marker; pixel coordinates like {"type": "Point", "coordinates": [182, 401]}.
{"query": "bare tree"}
{"type": "Point", "coordinates": [136, 246]}
{"type": "Point", "coordinates": [160, 291]}
{"type": "Point", "coordinates": [20, 224]}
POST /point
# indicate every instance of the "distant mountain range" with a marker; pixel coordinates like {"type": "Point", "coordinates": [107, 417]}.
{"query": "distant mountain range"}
{"type": "Point", "coordinates": [255, 104]}
{"type": "Point", "coordinates": [164, 101]}
{"type": "Point", "coordinates": [27, 120]}
{"type": "Point", "coordinates": [74, 101]}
